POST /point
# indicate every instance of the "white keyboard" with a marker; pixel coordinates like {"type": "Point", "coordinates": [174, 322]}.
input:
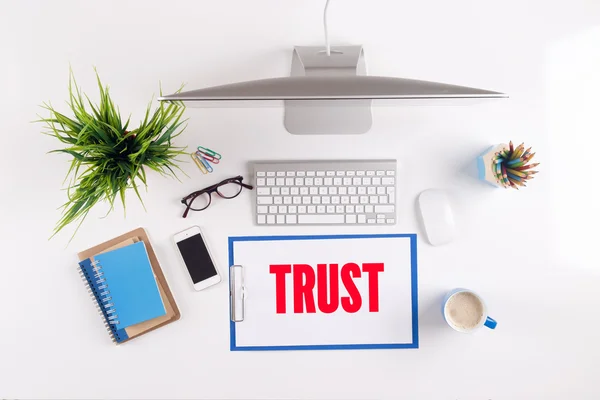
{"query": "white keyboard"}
{"type": "Point", "coordinates": [325, 192]}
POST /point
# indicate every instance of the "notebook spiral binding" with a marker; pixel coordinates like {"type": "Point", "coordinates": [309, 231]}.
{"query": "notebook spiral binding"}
{"type": "Point", "coordinates": [101, 296]}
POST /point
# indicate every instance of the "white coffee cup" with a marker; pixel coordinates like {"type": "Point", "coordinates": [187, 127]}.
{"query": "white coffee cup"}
{"type": "Point", "coordinates": [464, 311]}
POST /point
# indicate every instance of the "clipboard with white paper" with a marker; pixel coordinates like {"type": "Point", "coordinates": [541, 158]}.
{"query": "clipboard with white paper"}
{"type": "Point", "coordinates": [323, 292]}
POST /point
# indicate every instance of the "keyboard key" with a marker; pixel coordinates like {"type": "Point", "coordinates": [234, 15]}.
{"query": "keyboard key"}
{"type": "Point", "coordinates": [285, 191]}
{"type": "Point", "coordinates": [380, 216]}
{"type": "Point", "coordinates": [390, 221]}
{"type": "Point", "coordinates": [289, 181]}
{"type": "Point", "coordinates": [392, 198]}
{"type": "Point", "coordinates": [352, 190]}
{"type": "Point", "coordinates": [316, 200]}
{"type": "Point", "coordinates": [320, 173]}
{"type": "Point", "coordinates": [271, 173]}
{"type": "Point", "coordinates": [264, 200]}
{"type": "Point", "coordinates": [280, 173]}
{"type": "Point", "coordinates": [360, 209]}
{"type": "Point", "coordinates": [353, 199]}
{"type": "Point", "coordinates": [321, 209]}
{"type": "Point", "coordinates": [310, 173]}
{"type": "Point", "coordinates": [330, 173]}
{"type": "Point", "coordinates": [362, 190]}
{"type": "Point", "coordinates": [362, 219]}
{"type": "Point", "coordinates": [292, 209]}
{"type": "Point", "coordinates": [333, 190]}
{"type": "Point", "coordinates": [342, 190]}
{"type": "Point", "coordinates": [282, 209]}
{"type": "Point", "coordinates": [260, 182]}
{"type": "Point", "coordinates": [383, 199]}
{"type": "Point", "coordinates": [351, 219]}
{"type": "Point", "coordinates": [360, 173]}
{"type": "Point", "coordinates": [350, 173]}
{"type": "Point", "coordinates": [314, 190]}
{"type": "Point", "coordinates": [323, 190]}
{"type": "Point", "coordinates": [325, 200]}
{"type": "Point", "coordinates": [300, 173]}
{"type": "Point", "coordinates": [291, 173]}
{"type": "Point", "coordinates": [275, 191]}
{"type": "Point", "coordinates": [337, 181]}
{"type": "Point", "coordinates": [270, 219]}
{"type": "Point", "coordinates": [349, 209]}
{"type": "Point", "coordinates": [384, 209]}
{"type": "Point", "coordinates": [347, 181]}
{"type": "Point", "coordinates": [371, 221]}
{"type": "Point", "coordinates": [261, 209]}
{"type": "Point", "coordinates": [303, 191]}
{"type": "Point", "coordinates": [380, 221]}
{"type": "Point", "coordinates": [272, 209]}
{"type": "Point", "coordinates": [339, 209]}
{"type": "Point", "coordinates": [390, 173]}
{"type": "Point", "coordinates": [366, 181]}
{"type": "Point", "coordinates": [321, 219]}
{"type": "Point", "coordinates": [290, 219]}
{"type": "Point", "coordinates": [306, 200]}
{"type": "Point", "coordinates": [294, 191]}
{"type": "Point", "coordinates": [380, 190]}
{"type": "Point", "coordinates": [299, 182]}
{"type": "Point", "coordinates": [387, 181]}
{"type": "Point", "coordinates": [376, 181]}
{"type": "Point", "coordinates": [311, 209]}
{"type": "Point", "coordinates": [328, 181]}
{"type": "Point", "coordinates": [270, 181]}
{"type": "Point", "coordinates": [371, 190]}
{"type": "Point", "coordinates": [301, 209]}
{"type": "Point", "coordinates": [356, 181]}
{"type": "Point", "coordinates": [364, 199]}
{"type": "Point", "coordinates": [318, 181]}
{"type": "Point", "coordinates": [369, 209]}
{"type": "Point", "coordinates": [370, 173]}
{"type": "Point", "coordinates": [335, 199]}
{"type": "Point", "coordinates": [263, 191]}
{"type": "Point", "coordinates": [297, 200]}
{"type": "Point", "coordinates": [260, 173]}
{"type": "Point", "coordinates": [373, 199]}
{"type": "Point", "coordinates": [309, 181]}
{"type": "Point", "coordinates": [330, 209]}
{"type": "Point", "coordinates": [287, 200]}
{"type": "Point", "coordinates": [277, 200]}
{"type": "Point", "coordinates": [262, 219]}
{"type": "Point", "coordinates": [380, 173]}
{"type": "Point", "coordinates": [281, 219]}
{"type": "Point", "coordinates": [345, 200]}
{"type": "Point", "coordinates": [340, 173]}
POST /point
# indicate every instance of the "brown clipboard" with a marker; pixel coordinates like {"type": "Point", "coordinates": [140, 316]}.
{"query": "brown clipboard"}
{"type": "Point", "coordinates": [172, 311]}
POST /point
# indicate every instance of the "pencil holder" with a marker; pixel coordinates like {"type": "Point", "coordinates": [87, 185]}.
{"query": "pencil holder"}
{"type": "Point", "coordinates": [504, 166]}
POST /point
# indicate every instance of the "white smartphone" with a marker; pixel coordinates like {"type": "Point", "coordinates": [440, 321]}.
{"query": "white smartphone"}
{"type": "Point", "coordinates": [196, 257]}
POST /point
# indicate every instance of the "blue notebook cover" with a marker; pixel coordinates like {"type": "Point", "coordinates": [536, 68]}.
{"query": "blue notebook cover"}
{"type": "Point", "coordinates": [126, 286]}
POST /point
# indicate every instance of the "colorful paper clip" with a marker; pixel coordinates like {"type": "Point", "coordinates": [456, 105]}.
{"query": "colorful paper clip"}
{"type": "Point", "coordinates": [199, 163]}
{"type": "Point", "coordinates": [206, 164]}
{"type": "Point", "coordinates": [209, 152]}
{"type": "Point", "coordinates": [208, 157]}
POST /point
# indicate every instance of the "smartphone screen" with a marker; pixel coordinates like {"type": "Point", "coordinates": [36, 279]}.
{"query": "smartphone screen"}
{"type": "Point", "coordinates": [196, 258]}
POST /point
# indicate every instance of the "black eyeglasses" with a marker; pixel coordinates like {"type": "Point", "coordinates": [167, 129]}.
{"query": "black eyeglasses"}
{"type": "Point", "coordinates": [227, 189]}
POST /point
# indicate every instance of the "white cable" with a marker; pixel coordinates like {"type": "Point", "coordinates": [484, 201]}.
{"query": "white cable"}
{"type": "Point", "coordinates": [327, 45]}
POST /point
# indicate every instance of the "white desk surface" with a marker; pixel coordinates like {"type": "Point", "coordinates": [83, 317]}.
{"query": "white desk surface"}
{"type": "Point", "coordinates": [531, 254]}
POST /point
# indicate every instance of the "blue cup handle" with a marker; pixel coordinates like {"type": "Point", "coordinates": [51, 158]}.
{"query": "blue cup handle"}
{"type": "Point", "coordinates": [490, 323]}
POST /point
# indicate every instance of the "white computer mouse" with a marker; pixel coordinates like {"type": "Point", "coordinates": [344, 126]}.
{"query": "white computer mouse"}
{"type": "Point", "coordinates": [437, 216]}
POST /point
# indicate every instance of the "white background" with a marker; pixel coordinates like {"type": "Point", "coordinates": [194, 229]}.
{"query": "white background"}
{"type": "Point", "coordinates": [532, 255]}
{"type": "Point", "coordinates": [263, 326]}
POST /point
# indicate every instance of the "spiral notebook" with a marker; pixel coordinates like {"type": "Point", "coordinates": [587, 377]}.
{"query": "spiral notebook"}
{"type": "Point", "coordinates": [172, 312]}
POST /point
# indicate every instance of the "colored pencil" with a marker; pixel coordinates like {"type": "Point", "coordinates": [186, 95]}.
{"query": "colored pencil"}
{"type": "Point", "coordinates": [516, 173]}
{"type": "Point", "coordinates": [510, 145]}
{"type": "Point", "coordinates": [504, 175]}
{"type": "Point", "coordinates": [529, 157]}
{"type": "Point", "coordinates": [526, 167]}
{"type": "Point", "coordinates": [514, 162]}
